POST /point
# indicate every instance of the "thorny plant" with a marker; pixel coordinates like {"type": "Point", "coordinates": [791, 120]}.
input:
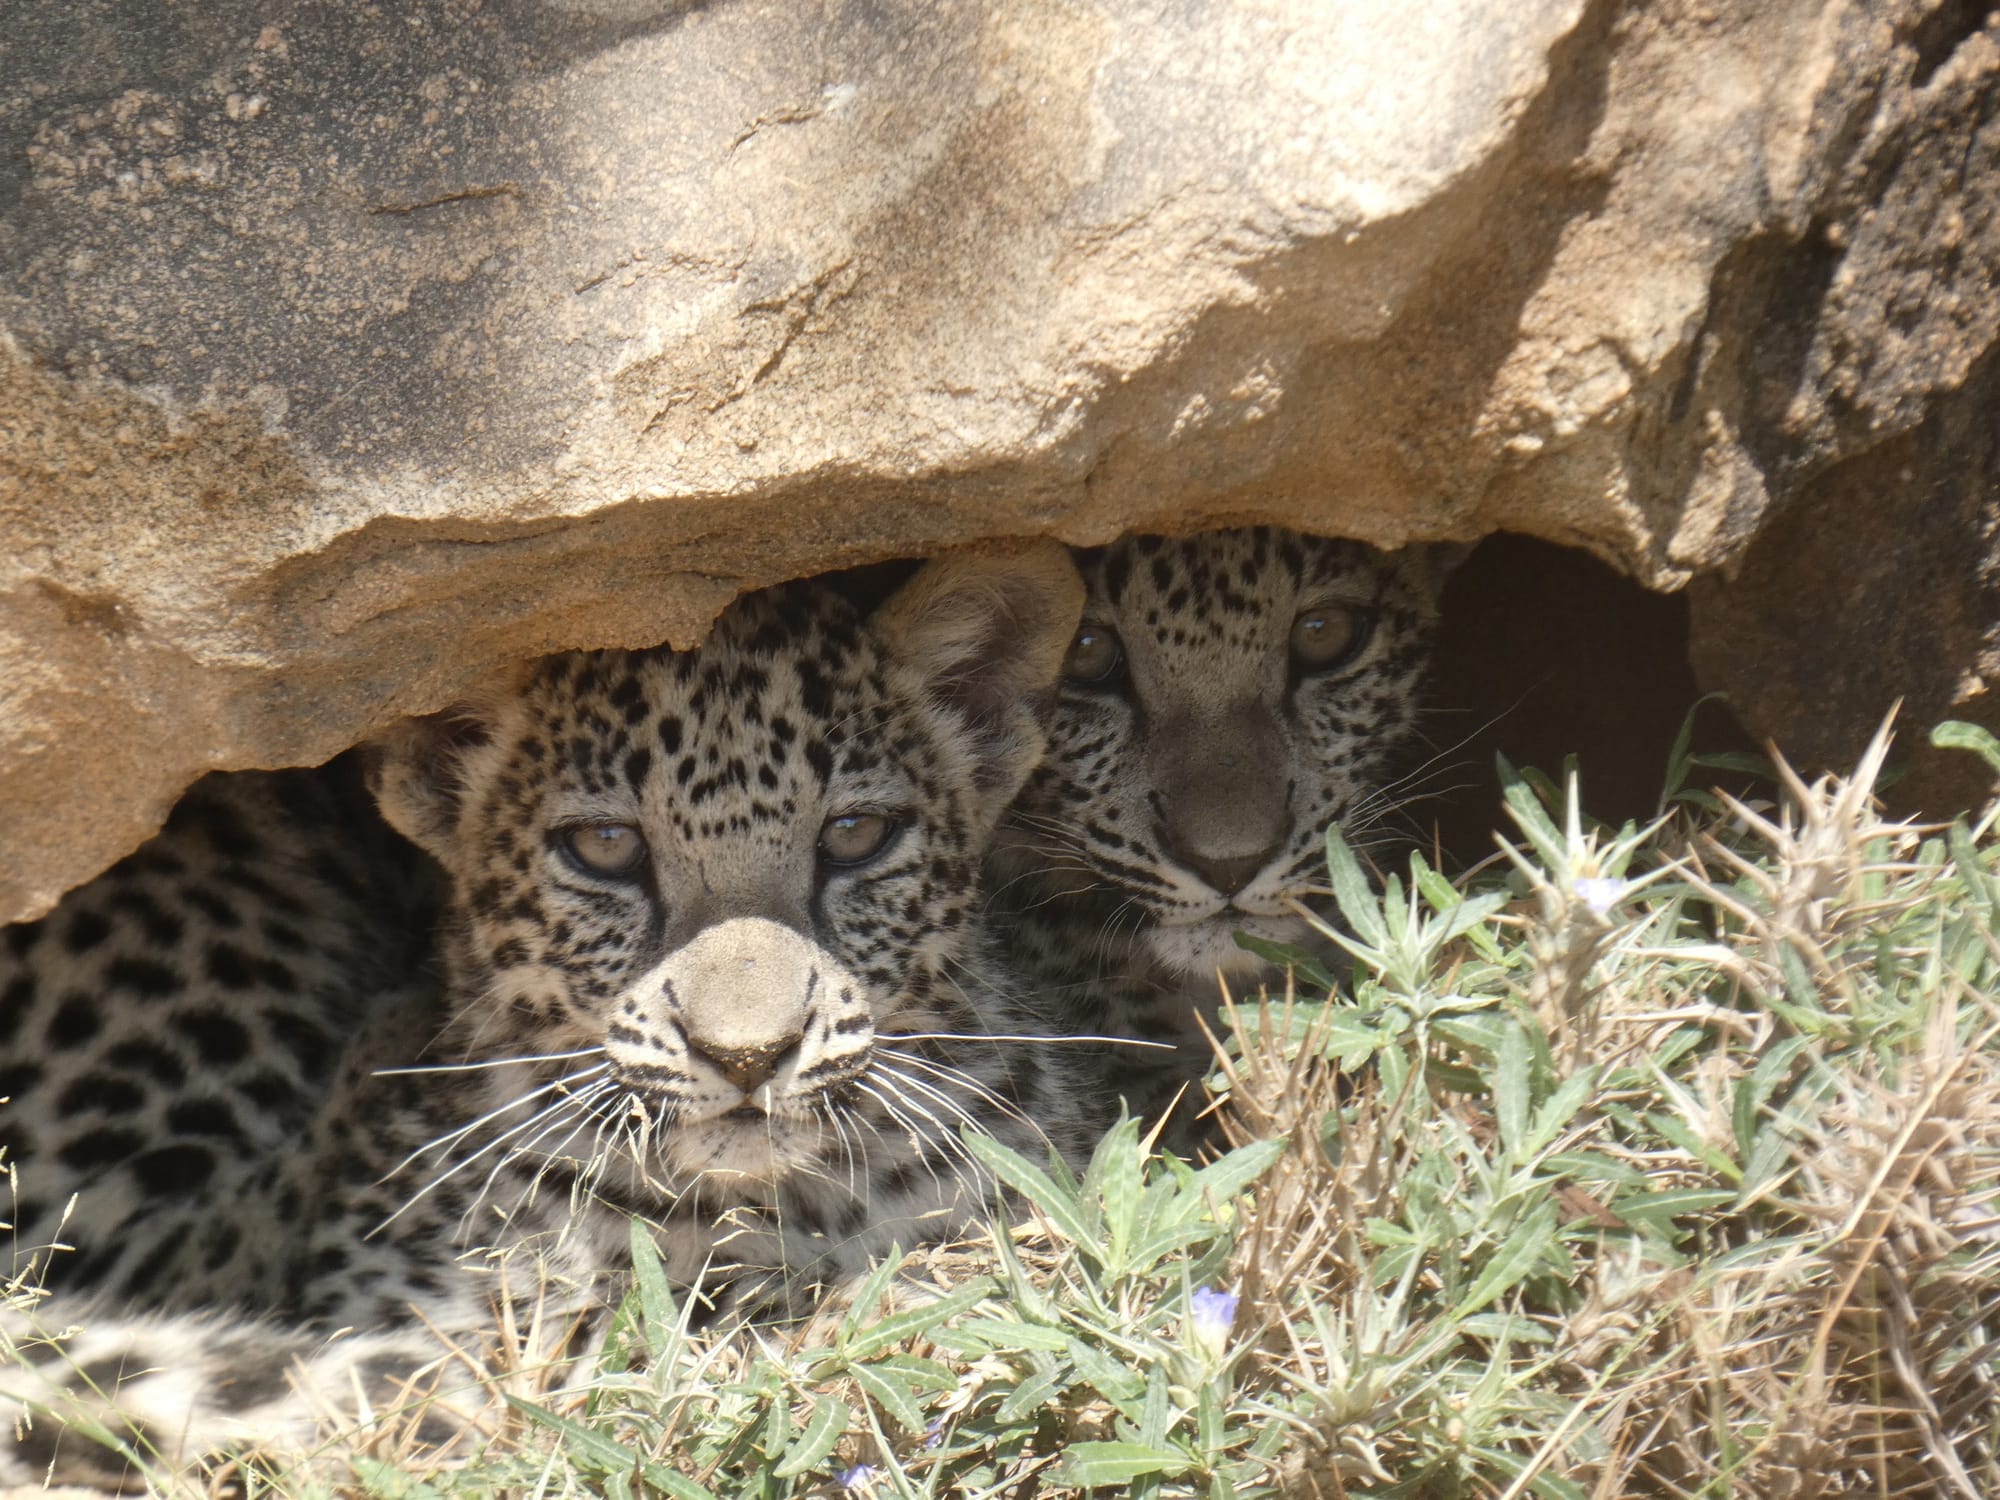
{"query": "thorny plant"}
{"type": "Point", "coordinates": [1658, 1161]}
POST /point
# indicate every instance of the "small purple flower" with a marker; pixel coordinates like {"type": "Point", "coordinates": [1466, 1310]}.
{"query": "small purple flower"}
{"type": "Point", "coordinates": [1601, 892]}
{"type": "Point", "coordinates": [1212, 1314]}
{"type": "Point", "coordinates": [934, 1434]}
{"type": "Point", "coordinates": [861, 1477]}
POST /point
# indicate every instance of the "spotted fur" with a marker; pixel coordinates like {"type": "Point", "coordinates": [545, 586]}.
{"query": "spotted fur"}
{"type": "Point", "coordinates": [1186, 793]}
{"type": "Point", "coordinates": [680, 984]}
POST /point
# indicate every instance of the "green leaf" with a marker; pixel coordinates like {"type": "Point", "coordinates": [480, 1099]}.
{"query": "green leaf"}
{"type": "Point", "coordinates": [608, 1457]}
{"type": "Point", "coordinates": [1971, 868]}
{"type": "Point", "coordinates": [1514, 1262]}
{"type": "Point", "coordinates": [1530, 814]}
{"type": "Point", "coordinates": [911, 1322]}
{"type": "Point", "coordinates": [1505, 1327]}
{"type": "Point", "coordinates": [1031, 1395]}
{"type": "Point", "coordinates": [1153, 1425]}
{"type": "Point", "coordinates": [1555, 1487]}
{"type": "Point", "coordinates": [1657, 1211]}
{"type": "Point", "coordinates": [891, 1396]}
{"type": "Point", "coordinates": [1560, 1108]}
{"type": "Point", "coordinates": [1088, 1464]}
{"type": "Point", "coordinates": [1956, 734]}
{"type": "Point", "coordinates": [869, 1298]}
{"type": "Point", "coordinates": [1511, 1089]}
{"type": "Point", "coordinates": [1060, 1208]}
{"type": "Point", "coordinates": [1351, 891]}
{"type": "Point", "coordinates": [1469, 913]}
{"type": "Point", "coordinates": [1006, 1334]}
{"type": "Point", "coordinates": [1677, 1132]}
{"type": "Point", "coordinates": [1753, 1093]}
{"type": "Point", "coordinates": [923, 1374]}
{"type": "Point", "coordinates": [1118, 1179]}
{"type": "Point", "coordinates": [1393, 1063]}
{"type": "Point", "coordinates": [1209, 1422]}
{"type": "Point", "coordinates": [1440, 892]}
{"type": "Point", "coordinates": [1117, 1383]}
{"type": "Point", "coordinates": [824, 1429]}
{"type": "Point", "coordinates": [656, 1298]}
{"type": "Point", "coordinates": [1312, 974]}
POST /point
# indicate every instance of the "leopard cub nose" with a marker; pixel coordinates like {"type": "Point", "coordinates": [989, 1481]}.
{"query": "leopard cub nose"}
{"type": "Point", "coordinates": [1225, 874]}
{"type": "Point", "coordinates": [1225, 859]}
{"type": "Point", "coordinates": [745, 1067]}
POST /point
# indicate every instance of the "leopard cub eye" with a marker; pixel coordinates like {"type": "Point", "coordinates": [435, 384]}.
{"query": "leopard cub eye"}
{"type": "Point", "coordinates": [605, 848]}
{"type": "Point", "coordinates": [1094, 655]}
{"type": "Point", "coordinates": [1328, 636]}
{"type": "Point", "coordinates": [854, 838]}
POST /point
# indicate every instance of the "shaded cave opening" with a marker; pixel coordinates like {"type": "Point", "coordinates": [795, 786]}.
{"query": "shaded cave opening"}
{"type": "Point", "coordinates": [1545, 653]}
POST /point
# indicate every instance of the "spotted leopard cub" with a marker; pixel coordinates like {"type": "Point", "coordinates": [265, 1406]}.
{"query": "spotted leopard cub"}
{"type": "Point", "coordinates": [714, 959]}
{"type": "Point", "coordinates": [1227, 697]}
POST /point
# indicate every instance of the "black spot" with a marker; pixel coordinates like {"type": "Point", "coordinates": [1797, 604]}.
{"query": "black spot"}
{"type": "Point", "coordinates": [86, 930]}
{"type": "Point", "coordinates": [230, 967]}
{"type": "Point", "coordinates": [226, 829]}
{"type": "Point", "coordinates": [637, 764]}
{"type": "Point", "coordinates": [148, 1058]}
{"type": "Point", "coordinates": [75, 1022]}
{"type": "Point", "coordinates": [169, 1171]}
{"type": "Point", "coordinates": [222, 1243]}
{"type": "Point", "coordinates": [211, 906]}
{"type": "Point", "coordinates": [142, 1276]}
{"type": "Point", "coordinates": [276, 978]}
{"type": "Point", "coordinates": [16, 1000]}
{"type": "Point", "coordinates": [270, 1092]}
{"type": "Point", "coordinates": [815, 693]}
{"type": "Point", "coordinates": [101, 1148]}
{"type": "Point", "coordinates": [257, 1380]}
{"type": "Point", "coordinates": [100, 1093]}
{"type": "Point", "coordinates": [820, 758]}
{"type": "Point", "coordinates": [202, 1117]}
{"type": "Point", "coordinates": [220, 1038]}
{"type": "Point", "coordinates": [24, 935]}
{"type": "Point", "coordinates": [901, 1178]}
{"type": "Point", "coordinates": [163, 929]}
{"type": "Point", "coordinates": [144, 977]}
{"type": "Point", "coordinates": [300, 1037]}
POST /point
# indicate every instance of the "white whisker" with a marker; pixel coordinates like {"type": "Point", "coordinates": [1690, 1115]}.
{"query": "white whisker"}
{"type": "Point", "coordinates": [491, 1062]}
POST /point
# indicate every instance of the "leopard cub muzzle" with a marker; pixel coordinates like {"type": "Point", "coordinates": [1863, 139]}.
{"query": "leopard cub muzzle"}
{"type": "Point", "coordinates": [750, 1022]}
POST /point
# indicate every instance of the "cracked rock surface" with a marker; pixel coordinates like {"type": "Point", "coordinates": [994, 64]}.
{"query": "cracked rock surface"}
{"type": "Point", "coordinates": [346, 351]}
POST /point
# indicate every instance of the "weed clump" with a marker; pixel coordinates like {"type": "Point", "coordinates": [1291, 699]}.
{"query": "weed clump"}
{"type": "Point", "coordinates": [1649, 1161]}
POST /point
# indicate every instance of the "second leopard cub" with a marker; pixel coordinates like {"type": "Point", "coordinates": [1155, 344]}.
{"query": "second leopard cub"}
{"type": "Point", "coordinates": [1227, 696]}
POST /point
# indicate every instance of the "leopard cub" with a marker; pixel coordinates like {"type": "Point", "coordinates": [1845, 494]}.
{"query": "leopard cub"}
{"type": "Point", "coordinates": [1226, 698]}
{"type": "Point", "coordinates": [715, 960]}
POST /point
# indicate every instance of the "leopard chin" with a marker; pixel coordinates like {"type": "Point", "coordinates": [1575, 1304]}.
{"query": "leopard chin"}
{"type": "Point", "coordinates": [745, 1151]}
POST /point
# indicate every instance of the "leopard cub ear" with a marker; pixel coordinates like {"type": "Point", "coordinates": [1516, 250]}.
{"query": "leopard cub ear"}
{"type": "Point", "coordinates": [416, 769]}
{"type": "Point", "coordinates": [983, 634]}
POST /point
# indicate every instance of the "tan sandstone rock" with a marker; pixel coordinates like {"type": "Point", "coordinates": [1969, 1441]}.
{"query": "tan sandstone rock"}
{"type": "Point", "coordinates": [347, 350]}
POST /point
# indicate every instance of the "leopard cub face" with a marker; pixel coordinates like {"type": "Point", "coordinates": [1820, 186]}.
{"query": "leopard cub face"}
{"type": "Point", "coordinates": [1226, 697]}
{"type": "Point", "coordinates": [725, 901]}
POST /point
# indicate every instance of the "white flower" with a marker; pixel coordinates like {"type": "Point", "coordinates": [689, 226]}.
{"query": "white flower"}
{"type": "Point", "coordinates": [1600, 892]}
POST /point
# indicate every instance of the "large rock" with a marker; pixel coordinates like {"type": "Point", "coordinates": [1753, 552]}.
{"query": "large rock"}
{"type": "Point", "coordinates": [351, 349]}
